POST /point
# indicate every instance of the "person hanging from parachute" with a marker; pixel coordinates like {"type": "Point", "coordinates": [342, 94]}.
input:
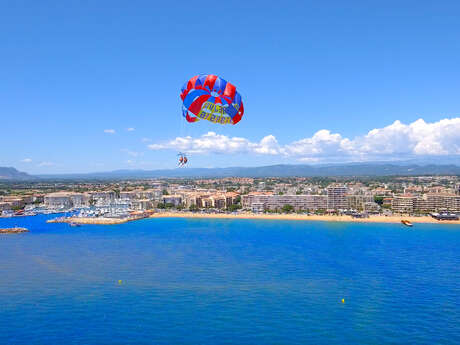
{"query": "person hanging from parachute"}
{"type": "Point", "coordinates": [182, 159]}
{"type": "Point", "coordinates": [211, 98]}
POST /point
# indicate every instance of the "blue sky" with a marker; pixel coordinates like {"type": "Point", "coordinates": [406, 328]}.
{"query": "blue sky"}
{"type": "Point", "coordinates": [316, 78]}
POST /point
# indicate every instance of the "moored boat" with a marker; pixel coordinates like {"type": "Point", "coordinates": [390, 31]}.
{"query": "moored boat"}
{"type": "Point", "coordinates": [406, 222]}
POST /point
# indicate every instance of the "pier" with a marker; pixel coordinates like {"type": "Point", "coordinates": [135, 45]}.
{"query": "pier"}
{"type": "Point", "coordinates": [13, 230]}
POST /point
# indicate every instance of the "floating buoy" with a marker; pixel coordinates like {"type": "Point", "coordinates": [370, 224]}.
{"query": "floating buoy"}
{"type": "Point", "coordinates": [343, 300]}
{"type": "Point", "coordinates": [119, 282]}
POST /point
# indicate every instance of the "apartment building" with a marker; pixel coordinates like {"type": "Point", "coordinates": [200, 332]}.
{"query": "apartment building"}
{"type": "Point", "coordinates": [175, 200]}
{"type": "Point", "coordinates": [435, 202]}
{"type": "Point", "coordinates": [336, 197]}
{"type": "Point", "coordinates": [103, 196]}
{"type": "Point", "coordinates": [403, 203]}
{"type": "Point", "coordinates": [276, 202]}
{"type": "Point", "coordinates": [66, 200]}
{"type": "Point", "coordinates": [358, 202]}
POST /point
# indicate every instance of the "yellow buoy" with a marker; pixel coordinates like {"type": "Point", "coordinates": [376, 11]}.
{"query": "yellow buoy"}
{"type": "Point", "coordinates": [343, 300]}
{"type": "Point", "coordinates": [119, 282]}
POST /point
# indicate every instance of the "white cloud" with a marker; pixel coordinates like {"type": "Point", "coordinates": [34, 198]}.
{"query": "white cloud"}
{"type": "Point", "coordinates": [396, 140]}
{"type": "Point", "coordinates": [218, 143]}
{"type": "Point", "coordinates": [146, 140]}
{"type": "Point", "coordinates": [309, 159]}
{"type": "Point", "coordinates": [416, 138]}
{"type": "Point", "coordinates": [322, 143]}
{"type": "Point", "coordinates": [268, 145]}
{"type": "Point", "coordinates": [46, 164]}
{"type": "Point", "coordinates": [132, 153]}
{"type": "Point", "coordinates": [109, 131]}
{"type": "Point", "coordinates": [26, 160]}
{"type": "Point", "coordinates": [130, 129]}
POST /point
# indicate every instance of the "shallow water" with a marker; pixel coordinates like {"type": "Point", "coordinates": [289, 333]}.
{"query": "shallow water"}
{"type": "Point", "coordinates": [201, 281]}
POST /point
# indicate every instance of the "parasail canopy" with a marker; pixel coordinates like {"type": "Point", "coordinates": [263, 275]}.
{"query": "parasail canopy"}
{"type": "Point", "coordinates": [209, 97]}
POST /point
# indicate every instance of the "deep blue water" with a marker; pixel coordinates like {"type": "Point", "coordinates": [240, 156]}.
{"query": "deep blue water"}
{"type": "Point", "coordinates": [201, 281]}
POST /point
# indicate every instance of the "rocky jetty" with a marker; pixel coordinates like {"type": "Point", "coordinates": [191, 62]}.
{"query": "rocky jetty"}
{"type": "Point", "coordinates": [13, 230]}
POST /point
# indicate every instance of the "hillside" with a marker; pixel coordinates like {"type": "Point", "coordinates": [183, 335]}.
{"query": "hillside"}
{"type": "Point", "coordinates": [351, 169]}
{"type": "Point", "coordinates": [9, 173]}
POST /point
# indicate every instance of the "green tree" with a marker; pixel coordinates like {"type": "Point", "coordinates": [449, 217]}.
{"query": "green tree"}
{"type": "Point", "coordinates": [378, 199]}
{"type": "Point", "coordinates": [233, 208]}
{"type": "Point", "coordinates": [194, 208]}
{"type": "Point", "coordinates": [287, 208]}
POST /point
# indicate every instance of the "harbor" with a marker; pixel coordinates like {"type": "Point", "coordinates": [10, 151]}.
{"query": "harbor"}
{"type": "Point", "coordinates": [85, 217]}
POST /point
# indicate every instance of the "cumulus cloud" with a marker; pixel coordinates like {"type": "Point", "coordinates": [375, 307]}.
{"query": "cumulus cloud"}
{"type": "Point", "coordinates": [419, 137]}
{"type": "Point", "coordinates": [26, 160]}
{"type": "Point", "coordinates": [109, 131]}
{"type": "Point", "coordinates": [396, 140]}
{"type": "Point", "coordinates": [130, 129]}
{"type": "Point", "coordinates": [322, 143]}
{"type": "Point", "coordinates": [218, 143]}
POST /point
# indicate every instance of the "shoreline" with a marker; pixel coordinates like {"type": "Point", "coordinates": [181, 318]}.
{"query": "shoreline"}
{"type": "Point", "coordinates": [301, 217]}
{"type": "Point", "coordinates": [297, 217]}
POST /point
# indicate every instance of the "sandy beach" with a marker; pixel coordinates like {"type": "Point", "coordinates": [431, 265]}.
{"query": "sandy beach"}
{"type": "Point", "coordinates": [299, 217]}
{"type": "Point", "coordinates": [326, 218]}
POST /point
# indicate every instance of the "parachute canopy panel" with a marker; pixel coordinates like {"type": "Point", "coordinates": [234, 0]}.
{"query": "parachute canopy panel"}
{"type": "Point", "coordinates": [209, 97]}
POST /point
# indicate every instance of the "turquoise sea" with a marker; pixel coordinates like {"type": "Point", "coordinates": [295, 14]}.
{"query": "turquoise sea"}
{"type": "Point", "coordinates": [200, 281]}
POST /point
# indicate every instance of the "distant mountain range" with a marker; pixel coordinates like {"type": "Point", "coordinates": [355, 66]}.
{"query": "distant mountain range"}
{"type": "Point", "coordinates": [8, 173]}
{"type": "Point", "coordinates": [282, 170]}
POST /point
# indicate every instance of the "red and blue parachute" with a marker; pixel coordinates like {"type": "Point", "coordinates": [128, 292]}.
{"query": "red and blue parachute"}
{"type": "Point", "coordinates": [209, 97]}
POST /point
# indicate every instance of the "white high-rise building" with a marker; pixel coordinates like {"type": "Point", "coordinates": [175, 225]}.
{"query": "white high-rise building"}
{"type": "Point", "coordinates": [336, 197]}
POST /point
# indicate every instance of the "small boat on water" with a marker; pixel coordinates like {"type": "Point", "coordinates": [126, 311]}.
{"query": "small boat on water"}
{"type": "Point", "coordinates": [74, 224]}
{"type": "Point", "coordinates": [406, 222]}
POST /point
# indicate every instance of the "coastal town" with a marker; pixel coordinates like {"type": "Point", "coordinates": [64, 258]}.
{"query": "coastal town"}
{"type": "Point", "coordinates": [111, 202]}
